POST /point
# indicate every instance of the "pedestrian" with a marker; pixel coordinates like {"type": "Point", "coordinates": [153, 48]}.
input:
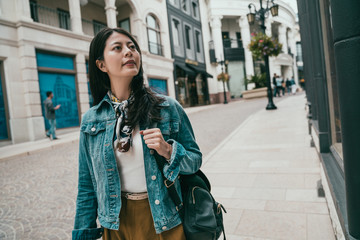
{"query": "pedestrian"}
{"type": "Point", "coordinates": [293, 86]}
{"type": "Point", "coordinates": [120, 184]}
{"type": "Point", "coordinates": [283, 86]}
{"type": "Point", "coordinates": [278, 85]}
{"type": "Point", "coordinates": [50, 114]}
{"type": "Point", "coordinates": [274, 84]}
{"type": "Point", "coordinates": [288, 86]}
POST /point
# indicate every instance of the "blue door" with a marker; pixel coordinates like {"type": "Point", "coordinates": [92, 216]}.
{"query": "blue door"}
{"type": "Point", "coordinates": [3, 120]}
{"type": "Point", "coordinates": [63, 87]}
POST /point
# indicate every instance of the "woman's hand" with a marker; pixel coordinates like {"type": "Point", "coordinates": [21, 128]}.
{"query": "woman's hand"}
{"type": "Point", "coordinates": [154, 140]}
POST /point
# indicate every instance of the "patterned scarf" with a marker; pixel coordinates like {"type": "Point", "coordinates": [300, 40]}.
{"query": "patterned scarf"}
{"type": "Point", "coordinates": [123, 131]}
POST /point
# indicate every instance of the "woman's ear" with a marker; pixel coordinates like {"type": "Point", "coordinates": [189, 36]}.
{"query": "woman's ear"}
{"type": "Point", "coordinates": [101, 65]}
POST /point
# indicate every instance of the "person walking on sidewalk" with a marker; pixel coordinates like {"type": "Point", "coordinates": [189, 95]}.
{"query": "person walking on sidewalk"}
{"type": "Point", "coordinates": [50, 114]}
{"type": "Point", "coordinates": [119, 181]}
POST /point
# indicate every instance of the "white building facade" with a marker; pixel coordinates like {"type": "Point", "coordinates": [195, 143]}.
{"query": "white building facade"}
{"type": "Point", "coordinates": [229, 32]}
{"type": "Point", "coordinates": [44, 46]}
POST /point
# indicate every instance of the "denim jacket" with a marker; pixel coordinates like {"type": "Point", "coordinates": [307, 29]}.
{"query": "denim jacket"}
{"type": "Point", "coordinates": [99, 187]}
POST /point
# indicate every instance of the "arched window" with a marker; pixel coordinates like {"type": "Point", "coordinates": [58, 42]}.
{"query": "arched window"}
{"type": "Point", "coordinates": [153, 30]}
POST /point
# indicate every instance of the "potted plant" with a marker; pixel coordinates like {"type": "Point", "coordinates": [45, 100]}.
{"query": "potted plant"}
{"type": "Point", "coordinates": [262, 45]}
{"type": "Point", "coordinates": [259, 80]}
{"type": "Point", "coordinates": [224, 77]}
{"type": "Point", "coordinates": [260, 89]}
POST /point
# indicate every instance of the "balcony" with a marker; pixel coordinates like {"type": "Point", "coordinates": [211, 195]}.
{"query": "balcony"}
{"type": "Point", "coordinates": [233, 50]}
{"type": "Point", "coordinates": [53, 17]}
{"type": "Point", "coordinates": [156, 48]}
{"type": "Point", "coordinates": [61, 19]}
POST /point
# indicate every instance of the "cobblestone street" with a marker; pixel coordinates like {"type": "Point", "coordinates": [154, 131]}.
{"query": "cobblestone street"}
{"type": "Point", "coordinates": [38, 191]}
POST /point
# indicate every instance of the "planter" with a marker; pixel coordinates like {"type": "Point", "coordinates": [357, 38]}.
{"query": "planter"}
{"type": "Point", "coordinates": [255, 93]}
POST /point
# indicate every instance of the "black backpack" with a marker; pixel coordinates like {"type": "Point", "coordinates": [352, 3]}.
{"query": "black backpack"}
{"type": "Point", "coordinates": [201, 215]}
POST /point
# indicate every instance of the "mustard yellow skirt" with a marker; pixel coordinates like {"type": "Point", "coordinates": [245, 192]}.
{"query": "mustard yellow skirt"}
{"type": "Point", "coordinates": [136, 223]}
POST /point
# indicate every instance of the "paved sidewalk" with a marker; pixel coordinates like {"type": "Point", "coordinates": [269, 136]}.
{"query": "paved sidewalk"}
{"type": "Point", "coordinates": [265, 174]}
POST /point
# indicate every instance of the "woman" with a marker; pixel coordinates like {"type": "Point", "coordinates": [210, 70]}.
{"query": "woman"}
{"type": "Point", "coordinates": [119, 180]}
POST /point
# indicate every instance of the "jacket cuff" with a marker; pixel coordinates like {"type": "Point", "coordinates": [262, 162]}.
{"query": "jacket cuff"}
{"type": "Point", "coordinates": [172, 170]}
{"type": "Point", "coordinates": [87, 234]}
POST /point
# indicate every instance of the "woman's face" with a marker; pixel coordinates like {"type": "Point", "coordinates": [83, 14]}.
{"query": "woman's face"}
{"type": "Point", "coordinates": [121, 59]}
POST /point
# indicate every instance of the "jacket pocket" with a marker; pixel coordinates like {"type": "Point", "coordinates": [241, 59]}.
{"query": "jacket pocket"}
{"type": "Point", "coordinates": [93, 128]}
{"type": "Point", "coordinates": [169, 129]}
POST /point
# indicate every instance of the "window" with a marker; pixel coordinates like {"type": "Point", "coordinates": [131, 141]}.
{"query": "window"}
{"type": "Point", "coordinates": [185, 6]}
{"type": "Point", "coordinates": [177, 37]}
{"type": "Point", "coordinates": [57, 74]}
{"type": "Point", "coordinates": [195, 10]}
{"type": "Point", "coordinates": [199, 47]}
{"type": "Point", "coordinates": [98, 26]}
{"type": "Point", "coordinates": [4, 129]}
{"type": "Point", "coordinates": [34, 11]}
{"type": "Point", "coordinates": [187, 37]}
{"type": "Point", "coordinates": [125, 24]}
{"type": "Point", "coordinates": [174, 3]}
{"type": "Point", "coordinates": [197, 37]}
{"type": "Point", "coordinates": [158, 85]}
{"type": "Point", "coordinates": [298, 52]}
{"type": "Point", "coordinates": [175, 31]}
{"type": "Point", "coordinates": [189, 41]}
{"type": "Point", "coordinates": [64, 19]}
{"type": "Point", "coordinates": [153, 35]}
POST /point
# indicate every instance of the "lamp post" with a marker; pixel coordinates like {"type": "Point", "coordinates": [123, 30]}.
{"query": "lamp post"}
{"type": "Point", "coordinates": [262, 13]}
{"type": "Point", "coordinates": [222, 62]}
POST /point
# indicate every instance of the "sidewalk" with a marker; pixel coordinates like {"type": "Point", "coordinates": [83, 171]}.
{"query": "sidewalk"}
{"type": "Point", "coordinates": [265, 174]}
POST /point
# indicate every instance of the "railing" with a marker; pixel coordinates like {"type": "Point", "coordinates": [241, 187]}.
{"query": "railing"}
{"type": "Point", "coordinates": [156, 48]}
{"type": "Point", "coordinates": [232, 43]}
{"type": "Point", "coordinates": [98, 26]}
{"type": "Point", "coordinates": [49, 16]}
{"type": "Point", "coordinates": [233, 50]}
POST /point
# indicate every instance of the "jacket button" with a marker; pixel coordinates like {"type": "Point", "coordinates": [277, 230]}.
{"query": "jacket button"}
{"type": "Point", "coordinates": [157, 202]}
{"type": "Point", "coordinates": [153, 177]}
{"type": "Point", "coordinates": [93, 129]}
{"type": "Point", "coordinates": [152, 151]}
{"type": "Point", "coordinates": [164, 228]}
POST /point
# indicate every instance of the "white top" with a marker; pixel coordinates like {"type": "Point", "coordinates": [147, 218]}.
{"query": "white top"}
{"type": "Point", "coordinates": [131, 165]}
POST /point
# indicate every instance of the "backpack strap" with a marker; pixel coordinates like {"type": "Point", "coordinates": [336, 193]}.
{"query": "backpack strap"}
{"type": "Point", "coordinates": [169, 184]}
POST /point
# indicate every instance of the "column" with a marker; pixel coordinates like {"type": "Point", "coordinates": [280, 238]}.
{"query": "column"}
{"type": "Point", "coordinates": [346, 32]}
{"type": "Point", "coordinates": [23, 10]}
{"type": "Point", "coordinates": [283, 38]}
{"type": "Point", "coordinates": [215, 23]}
{"type": "Point", "coordinates": [82, 83]}
{"type": "Point", "coordinates": [246, 38]}
{"type": "Point", "coordinates": [75, 15]}
{"type": "Point", "coordinates": [110, 11]}
{"type": "Point", "coordinates": [292, 43]}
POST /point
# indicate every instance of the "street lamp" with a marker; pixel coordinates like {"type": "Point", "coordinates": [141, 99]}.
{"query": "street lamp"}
{"type": "Point", "coordinates": [222, 62]}
{"type": "Point", "coordinates": [262, 13]}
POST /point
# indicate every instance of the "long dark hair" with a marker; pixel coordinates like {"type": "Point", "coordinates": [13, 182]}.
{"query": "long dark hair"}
{"type": "Point", "coordinates": [146, 105]}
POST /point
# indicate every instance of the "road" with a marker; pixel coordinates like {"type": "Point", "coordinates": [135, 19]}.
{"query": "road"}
{"type": "Point", "coordinates": [38, 191]}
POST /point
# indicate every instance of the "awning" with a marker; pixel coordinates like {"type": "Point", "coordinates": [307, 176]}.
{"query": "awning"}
{"type": "Point", "coordinates": [199, 70]}
{"type": "Point", "coordinates": [184, 67]}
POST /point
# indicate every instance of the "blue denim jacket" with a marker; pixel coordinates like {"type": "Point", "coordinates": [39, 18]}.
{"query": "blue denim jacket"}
{"type": "Point", "coordinates": [99, 188]}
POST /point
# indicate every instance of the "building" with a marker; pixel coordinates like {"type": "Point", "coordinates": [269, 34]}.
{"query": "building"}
{"type": "Point", "coordinates": [186, 40]}
{"type": "Point", "coordinates": [229, 35]}
{"type": "Point", "coordinates": [330, 36]}
{"type": "Point", "coordinates": [44, 46]}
